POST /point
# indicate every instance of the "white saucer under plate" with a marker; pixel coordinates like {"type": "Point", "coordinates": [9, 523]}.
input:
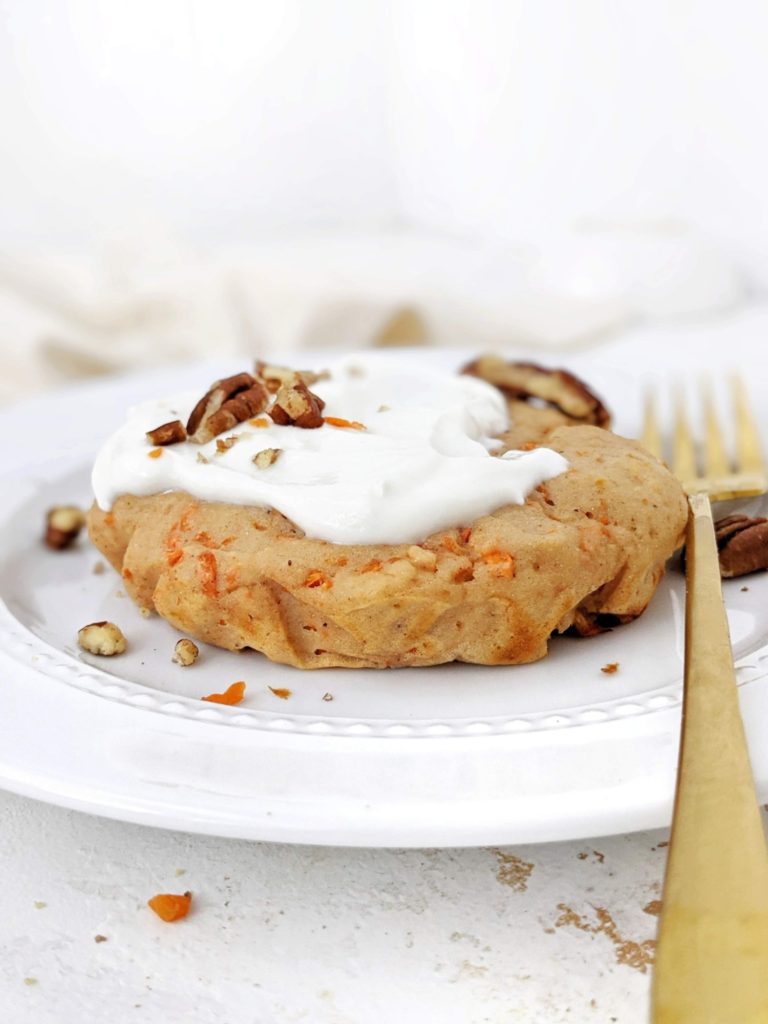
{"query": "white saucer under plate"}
{"type": "Point", "coordinates": [449, 756]}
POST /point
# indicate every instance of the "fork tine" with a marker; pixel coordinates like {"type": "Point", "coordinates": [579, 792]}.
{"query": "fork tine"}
{"type": "Point", "coordinates": [716, 462]}
{"type": "Point", "coordinates": [749, 455]}
{"type": "Point", "coordinates": [683, 449]}
{"type": "Point", "coordinates": [651, 436]}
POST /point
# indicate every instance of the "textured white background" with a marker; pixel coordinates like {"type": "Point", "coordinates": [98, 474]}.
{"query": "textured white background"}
{"type": "Point", "coordinates": [306, 934]}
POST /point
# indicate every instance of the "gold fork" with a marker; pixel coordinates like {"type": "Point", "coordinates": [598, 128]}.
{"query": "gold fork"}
{"type": "Point", "coordinates": [712, 956]}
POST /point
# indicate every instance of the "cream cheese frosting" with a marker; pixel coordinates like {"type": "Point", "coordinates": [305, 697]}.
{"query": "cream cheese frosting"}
{"type": "Point", "coordinates": [423, 462]}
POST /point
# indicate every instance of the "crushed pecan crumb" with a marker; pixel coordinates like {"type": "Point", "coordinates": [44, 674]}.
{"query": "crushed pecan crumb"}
{"type": "Point", "coordinates": [610, 668]}
{"type": "Point", "coordinates": [155, 453]}
{"type": "Point", "coordinates": [224, 444]}
{"type": "Point", "coordinates": [185, 652]}
{"type": "Point", "coordinates": [103, 638]}
{"type": "Point", "coordinates": [327, 696]}
{"type": "Point", "coordinates": [202, 458]}
{"type": "Point", "coordinates": [62, 526]}
{"type": "Point", "coordinates": [168, 433]}
{"type": "Point", "coordinates": [260, 421]}
{"type": "Point", "coordinates": [266, 457]}
{"type": "Point", "coordinates": [232, 695]}
{"type": "Point", "coordinates": [99, 568]}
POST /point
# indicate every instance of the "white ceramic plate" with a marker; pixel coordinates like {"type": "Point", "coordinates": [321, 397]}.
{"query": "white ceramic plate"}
{"type": "Point", "coordinates": [457, 755]}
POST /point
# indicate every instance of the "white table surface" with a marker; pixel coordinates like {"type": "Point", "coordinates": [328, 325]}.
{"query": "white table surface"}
{"type": "Point", "coordinates": [549, 933]}
{"type": "Point", "coordinates": [540, 934]}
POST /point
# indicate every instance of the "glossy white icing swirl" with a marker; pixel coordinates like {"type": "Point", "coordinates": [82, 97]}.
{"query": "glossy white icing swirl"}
{"type": "Point", "coordinates": [422, 464]}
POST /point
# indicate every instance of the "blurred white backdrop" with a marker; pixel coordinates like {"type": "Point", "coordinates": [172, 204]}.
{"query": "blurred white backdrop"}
{"type": "Point", "coordinates": [335, 172]}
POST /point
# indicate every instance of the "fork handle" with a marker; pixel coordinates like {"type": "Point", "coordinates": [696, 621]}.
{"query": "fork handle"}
{"type": "Point", "coordinates": [712, 957]}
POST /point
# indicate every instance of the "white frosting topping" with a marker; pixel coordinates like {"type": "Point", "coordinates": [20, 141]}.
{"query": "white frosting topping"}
{"type": "Point", "coordinates": [422, 464]}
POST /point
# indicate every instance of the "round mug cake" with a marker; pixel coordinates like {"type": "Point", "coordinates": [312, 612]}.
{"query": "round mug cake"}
{"type": "Point", "coordinates": [385, 513]}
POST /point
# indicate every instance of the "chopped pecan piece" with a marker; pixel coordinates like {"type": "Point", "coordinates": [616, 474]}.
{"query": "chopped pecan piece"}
{"type": "Point", "coordinates": [266, 457]}
{"type": "Point", "coordinates": [224, 444]}
{"type": "Point", "coordinates": [296, 405]}
{"type": "Point", "coordinates": [168, 433]}
{"type": "Point", "coordinates": [742, 542]}
{"type": "Point", "coordinates": [275, 376]}
{"type": "Point", "coordinates": [556, 387]}
{"type": "Point", "coordinates": [227, 403]}
{"type": "Point", "coordinates": [186, 652]}
{"type": "Point", "coordinates": [104, 638]}
{"type": "Point", "coordinates": [62, 526]}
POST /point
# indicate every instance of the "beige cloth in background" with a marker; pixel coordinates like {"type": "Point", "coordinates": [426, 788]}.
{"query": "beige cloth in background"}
{"type": "Point", "coordinates": [146, 299]}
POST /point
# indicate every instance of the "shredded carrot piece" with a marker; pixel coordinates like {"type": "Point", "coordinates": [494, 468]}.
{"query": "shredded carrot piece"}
{"type": "Point", "coordinates": [171, 906]}
{"type": "Point", "coordinates": [373, 566]}
{"type": "Point", "coordinates": [127, 574]}
{"type": "Point", "coordinates": [232, 695]}
{"type": "Point", "coordinates": [281, 691]}
{"type": "Point", "coordinates": [155, 453]}
{"type": "Point", "coordinates": [205, 539]}
{"type": "Point", "coordinates": [501, 563]}
{"type": "Point", "coordinates": [465, 534]}
{"type": "Point", "coordinates": [174, 557]}
{"type": "Point", "coordinates": [208, 571]}
{"type": "Point", "coordinates": [450, 543]}
{"type": "Point", "coordinates": [259, 422]}
{"type": "Point", "coordinates": [463, 574]}
{"type": "Point", "coordinates": [109, 519]}
{"type": "Point", "coordinates": [337, 421]}
{"type": "Point", "coordinates": [318, 579]}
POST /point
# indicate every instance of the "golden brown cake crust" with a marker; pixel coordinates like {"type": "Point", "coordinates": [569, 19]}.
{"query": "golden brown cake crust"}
{"type": "Point", "coordinates": [591, 542]}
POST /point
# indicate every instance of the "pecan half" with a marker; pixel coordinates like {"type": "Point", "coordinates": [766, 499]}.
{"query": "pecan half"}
{"type": "Point", "coordinates": [168, 433]}
{"type": "Point", "coordinates": [742, 542]}
{"type": "Point", "coordinates": [228, 402]}
{"type": "Point", "coordinates": [296, 405]}
{"type": "Point", "coordinates": [529, 380]}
